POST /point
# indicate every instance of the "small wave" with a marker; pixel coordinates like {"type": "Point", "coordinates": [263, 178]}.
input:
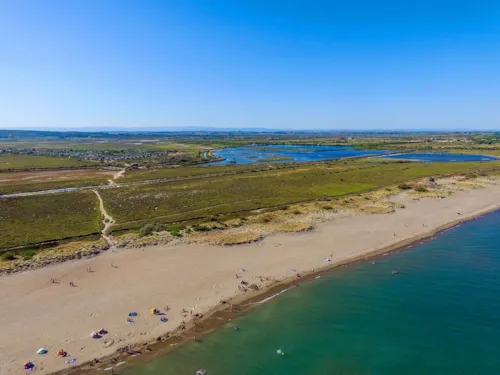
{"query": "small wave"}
{"type": "Point", "coordinates": [274, 295]}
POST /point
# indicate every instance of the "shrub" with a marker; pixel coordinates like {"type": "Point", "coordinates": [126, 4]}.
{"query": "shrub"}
{"type": "Point", "coordinates": [470, 176]}
{"type": "Point", "coordinates": [266, 219]}
{"type": "Point", "coordinates": [421, 189]}
{"type": "Point", "coordinates": [296, 212]}
{"type": "Point", "coordinates": [175, 233]}
{"type": "Point", "coordinates": [404, 186]}
{"type": "Point", "coordinates": [148, 229]}
{"type": "Point", "coordinates": [8, 256]}
{"type": "Point", "coordinates": [201, 228]}
{"type": "Point", "coordinates": [28, 254]}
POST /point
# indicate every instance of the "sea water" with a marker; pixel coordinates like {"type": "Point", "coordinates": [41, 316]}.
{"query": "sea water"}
{"type": "Point", "coordinates": [439, 315]}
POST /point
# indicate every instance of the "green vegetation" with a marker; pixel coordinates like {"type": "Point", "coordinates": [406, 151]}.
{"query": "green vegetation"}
{"type": "Point", "coordinates": [171, 173]}
{"type": "Point", "coordinates": [40, 218]}
{"type": "Point", "coordinates": [162, 188]}
{"type": "Point", "coordinates": [28, 253]}
{"type": "Point", "coordinates": [9, 255]}
{"type": "Point", "coordinates": [148, 229]}
{"type": "Point", "coordinates": [31, 162]}
{"type": "Point", "coordinates": [276, 158]}
{"type": "Point", "coordinates": [222, 196]}
{"type": "Point", "coordinates": [404, 186]}
{"type": "Point", "coordinates": [39, 186]}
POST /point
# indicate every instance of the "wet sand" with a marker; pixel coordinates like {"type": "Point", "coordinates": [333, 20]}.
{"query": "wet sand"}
{"type": "Point", "coordinates": [37, 313]}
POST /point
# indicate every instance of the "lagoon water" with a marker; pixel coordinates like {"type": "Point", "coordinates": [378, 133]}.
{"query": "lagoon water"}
{"type": "Point", "coordinates": [440, 315]}
{"type": "Point", "coordinates": [288, 153]}
{"type": "Point", "coordinates": [303, 153]}
{"type": "Point", "coordinates": [440, 157]}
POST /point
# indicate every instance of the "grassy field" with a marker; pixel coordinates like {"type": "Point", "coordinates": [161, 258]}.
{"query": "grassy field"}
{"type": "Point", "coordinates": [32, 187]}
{"type": "Point", "coordinates": [47, 217]}
{"type": "Point", "coordinates": [31, 161]}
{"type": "Point", "coordinates": [218, 192]}
{"type": "Point", "coordinates": [21, 181]}
{"type": "Point", "coordinates": [163, 173]}
{"type": "Point", "coordinates": [168, 202]}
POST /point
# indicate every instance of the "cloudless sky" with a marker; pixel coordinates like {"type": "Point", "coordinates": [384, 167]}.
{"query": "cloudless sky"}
{"type": "Point", "coordinates": [305, 64]}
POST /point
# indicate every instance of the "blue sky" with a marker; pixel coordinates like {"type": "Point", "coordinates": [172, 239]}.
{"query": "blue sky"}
{"type": "Point", "coordinates": [293, 64]}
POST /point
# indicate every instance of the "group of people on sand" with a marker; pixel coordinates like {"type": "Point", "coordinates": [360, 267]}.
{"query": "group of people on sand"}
{"type": "Point", "coordinates": [30, 366]}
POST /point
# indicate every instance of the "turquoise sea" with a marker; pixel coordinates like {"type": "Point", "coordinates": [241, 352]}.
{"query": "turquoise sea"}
{"type": "Point", "coordinates": [440, 315]}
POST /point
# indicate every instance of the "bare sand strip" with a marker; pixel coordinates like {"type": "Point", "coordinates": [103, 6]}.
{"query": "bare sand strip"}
{"type": "Point", "coordinates": [107, 220]}
{"type": "Point", "coordinates": [35, 313]}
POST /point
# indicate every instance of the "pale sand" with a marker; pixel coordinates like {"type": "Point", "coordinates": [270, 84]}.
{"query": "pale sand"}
{"type": "Point", "coordinates": [35, 313]}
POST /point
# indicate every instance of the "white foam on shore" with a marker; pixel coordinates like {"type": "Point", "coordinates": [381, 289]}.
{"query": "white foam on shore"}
{"type": "Point", "coordinates": [274, 295]}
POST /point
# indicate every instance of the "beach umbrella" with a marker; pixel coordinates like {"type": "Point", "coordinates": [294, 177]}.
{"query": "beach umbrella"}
{"type": "Point", "coordinates": [93, 334]}
{"type": "Point", "coordinates": [41, 351]}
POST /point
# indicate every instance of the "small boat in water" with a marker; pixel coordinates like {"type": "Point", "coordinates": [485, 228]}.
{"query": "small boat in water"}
{"type": "Point", "coordinates": [201, 371]}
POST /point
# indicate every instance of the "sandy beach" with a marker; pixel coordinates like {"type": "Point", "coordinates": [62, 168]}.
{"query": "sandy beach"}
{"type": "Point", "coordinates": [35, 312]}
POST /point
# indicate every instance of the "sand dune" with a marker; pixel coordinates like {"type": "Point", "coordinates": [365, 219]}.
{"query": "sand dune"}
{"type": "Point", "coordinates": [38, 313]}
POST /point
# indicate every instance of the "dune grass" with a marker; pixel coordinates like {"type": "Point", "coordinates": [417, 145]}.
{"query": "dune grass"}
{"type": "Point", "coordinates": [133, 206]}
{"type": "Point", "coordinates": [213, 197]}
{"type": "Point", "coordinates": [176, 172]}
{"type": "Point", "coordinates": [48, 217]}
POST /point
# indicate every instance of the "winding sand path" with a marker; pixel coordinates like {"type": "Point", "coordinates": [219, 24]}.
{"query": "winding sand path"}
{"type": "Point", "coordinates": [116, 176]}
{"type": "Point", "coordinates": [107, 220]}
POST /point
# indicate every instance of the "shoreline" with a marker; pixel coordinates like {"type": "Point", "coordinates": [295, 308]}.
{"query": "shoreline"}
{"type": "Point", "coordinates": [183, 275]}
{"type": "Point", "coordinates": [243, 304]}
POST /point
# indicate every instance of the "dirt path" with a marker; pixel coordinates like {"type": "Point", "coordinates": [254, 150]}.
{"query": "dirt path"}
{"type": "Point", "coordinates": [116, 176]}
{"type": "Point", "coordinates": [107, 220]}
